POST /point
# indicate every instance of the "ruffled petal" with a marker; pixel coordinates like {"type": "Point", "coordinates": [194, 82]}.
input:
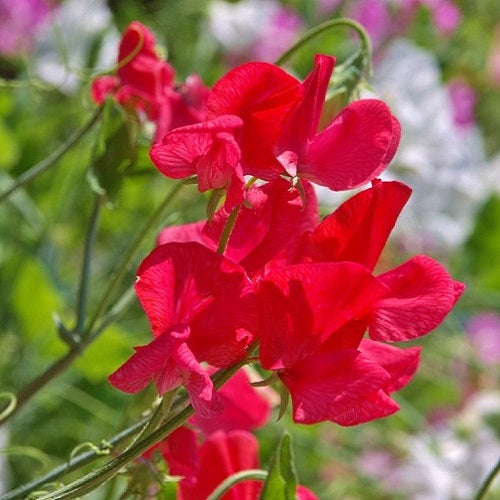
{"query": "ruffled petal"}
{"type": "Point", "coordinates": [186, 283]}
{"type": "Point", "coordinates": [352, 150]}
{"type": "Point", "coordinates": [340, 386]}
{"type": "Point", "coordinates": [151, 362]}
{"type": "Point", "coordinates": [186, 150]}
{"type": "Point", "coordinates": [244, 407]}
{"type": "Point", "coordinates": [206, 402]}
{"type": "Point", "coordinates": [261, 94]}
{"type": "Point", "coordinates": [301, 124]}
{"type": "Point", "coordinates": [222, 455]}
{"type": "Point", "coordinates": [302, 306]}
{"type": "Point", "coordinates": [400, 364]}
{"type": "Point", "coordinates": [421, 294]}
{"type": "Point", "coordinates": [358, 230]}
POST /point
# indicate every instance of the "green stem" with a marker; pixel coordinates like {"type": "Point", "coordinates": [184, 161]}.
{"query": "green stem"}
{"type": "Point", "coordinates": [96, 478]}
{"type": "Point", "coordinates": [238, 477]}
{"type": "Point", "coordinates": [487, 482]}
{"type": "Point", "coordinates": [73, 464]}
{"type": "Point", "coordinates": [52, 159]}
{"type": "Point", "coordinates": [228, 228]}
{"type": "Point", "coordinates": [326, 26]}
{"type": "Point", "coordinates": [81, 306]}
{"type": "Point", "coordinates": [120, 272]}
{"type": "Point", "coordinates": [91, 333]}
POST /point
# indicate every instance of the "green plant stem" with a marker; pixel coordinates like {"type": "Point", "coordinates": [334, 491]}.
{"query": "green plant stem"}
{"type": "Point", "coordinates": [52, 159]}
{"type": "Point", "coordinates": [92, 332]}
{"type": "Point", "coordinates": [122, 269]}
{"type": "Point", "coordinates": [81, 306]}
{"type": "Point", "coordinates": [96, 478]}
{"type": "Point", "coordinates": [326, 26]}
{"type": "Point", "coordinates": [73, 464]}
{"type": "Point", "coordinates": [229, 482]}
{"type": "Point", "coordinates": [228, 228]}
{"type": "Point", "coordinates": [488, 481]}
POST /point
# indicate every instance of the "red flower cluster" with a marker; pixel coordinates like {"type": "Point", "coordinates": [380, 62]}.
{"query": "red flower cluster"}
{"type": "Point", "coordinates": [304, 290]}
{"type": "Point", "coordinates": [145, 83]}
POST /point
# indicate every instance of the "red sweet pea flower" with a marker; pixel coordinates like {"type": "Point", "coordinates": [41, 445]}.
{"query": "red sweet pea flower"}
{"type": "Point", "coordinates": [206, 149]}
{"type": "Point", "coordinates": [201, 307]}
{"type": "Point", "coordinates": [145, 83]}
{"type": "Point", "coordinates": [261, 94]}
{"type": "Point", "coordinates": [205, 466]}
{"type": "Point", "coordinates": [280, 127]}
{"type": "Point", "coordinates": [353, 149]}
{"type": "Point", "coordinates": [313, 318]}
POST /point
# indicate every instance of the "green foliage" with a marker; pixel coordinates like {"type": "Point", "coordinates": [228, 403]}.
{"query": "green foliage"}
{"type": "Point", "coordinates": [115, 151]}
{"type": "Point", "coordinates": [483, 247]}
{"type": "Point", "coordinates": [281, 482]}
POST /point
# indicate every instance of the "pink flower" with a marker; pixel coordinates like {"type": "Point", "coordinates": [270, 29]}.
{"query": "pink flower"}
{"type": "Point", "coordinates": [463, 99]}
{"type": "Point", "coordinates": [185, 290]}
{"type": "Point", "coordinates": [483, 331]}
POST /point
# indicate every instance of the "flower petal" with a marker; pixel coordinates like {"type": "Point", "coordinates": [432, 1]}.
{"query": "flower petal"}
{"type": "Point", "coordinates": [244, 407]}
{"type": "Point", "coordinates": [302, 306]}
{"type": "Point", "coordinates": [151, 362]}
{"type": "Point", "coordinates": [261, 94]}
{"type": "Point", "coordinates": [186, 283]}
{"type": "Point", "coordinates": [302, 122]}
{"type": "Point", "coordinates": [421, 294]}
{"type": "Point", "coordinates": [358, 229]}
{"type": "Point", "coordinates": [400, 364]}
{"type": "Point", "coordinates": [353, 149]}
{"type": "Point", "coordinates": [341, 386]}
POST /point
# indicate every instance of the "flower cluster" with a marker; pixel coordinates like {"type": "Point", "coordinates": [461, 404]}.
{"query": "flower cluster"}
{"type": "Point", "coordinates": [263, 270]}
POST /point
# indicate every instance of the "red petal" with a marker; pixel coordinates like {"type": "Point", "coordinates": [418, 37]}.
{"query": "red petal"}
{"type": "Point", "coordinates": [421, 294]}
{"type": "Point", "coordinates": [151, 362]}
{"type": "Point", "coordinates": [244, 407]}
{"type": "Point", "coordinates": [180, 451]}
{"type": "Point", "coordinates": [183, 234]}
{"type": "Point", "coordinates": [222, 455]}
{"type": "Point", "coordinates": [336, 386]}
{"type": "Point", "coordinates": [358, 229]}
{"type": "Point", "coordinates": [178, 154]}
{"type": "Point", "coordinates": [102, 87]}
{"type": "Point", "coordinates": [400, 364]}
{"type": "Point", "coordinates": [261, 94]}
{"type": "Point", "coordinates": [352, 149]}
{"type": "Point", "coordinates": [302, 122]}
{"type": "Point", "coordinates": [303, 305]}
{"type": "Point", "coordinates": [206, 402]}
{"type": "Point", "coordinates": [186, 283]}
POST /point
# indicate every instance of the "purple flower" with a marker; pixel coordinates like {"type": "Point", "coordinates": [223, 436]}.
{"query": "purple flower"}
{"type": "Point", "coordinates": [484, 334]}
{"type": "Point", "coordinates": [19, 20]}
{"type": "Point", "coordinates": [463, 99]}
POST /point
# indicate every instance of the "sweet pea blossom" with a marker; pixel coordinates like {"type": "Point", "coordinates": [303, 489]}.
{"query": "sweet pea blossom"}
{"type": "Point", "coordinates": [145, 82]}
{"type": "Point", "coordinates": [315, 314]}
{"type": "Point", "coordinates": [185, 290]}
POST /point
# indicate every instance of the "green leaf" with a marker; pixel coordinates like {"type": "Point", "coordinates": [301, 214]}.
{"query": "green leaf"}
{"type": "Point", "coordinates": [281, 482]}
{"type": "Point", "coordinates": [9, 147]}
{"type": "Point", "coordinates": [483, 247]}
{"type": "Point", "coordinates": [115, 152]}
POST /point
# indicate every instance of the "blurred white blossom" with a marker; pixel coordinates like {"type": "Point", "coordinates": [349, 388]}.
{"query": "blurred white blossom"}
{"type": "Point", "coordinates": [442, 162]}
{"type": "Point", "coordinates": [64, 46]}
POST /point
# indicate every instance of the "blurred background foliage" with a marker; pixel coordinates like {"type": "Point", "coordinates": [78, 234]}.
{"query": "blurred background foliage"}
{"type": "Point", "coordinates": [43, 228]}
